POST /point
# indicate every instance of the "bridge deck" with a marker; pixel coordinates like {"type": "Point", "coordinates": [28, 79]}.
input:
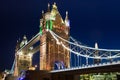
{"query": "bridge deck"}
{"type": "Point", "coordinates": [105, 67]}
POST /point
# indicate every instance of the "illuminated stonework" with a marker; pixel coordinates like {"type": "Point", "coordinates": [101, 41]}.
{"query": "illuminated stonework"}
{"type": "Point", "coordinates": [52, 54]}
{"type": "Point", "coordinates": [51, 51]}
{"type": "Point", "coordinates": [23, 58]}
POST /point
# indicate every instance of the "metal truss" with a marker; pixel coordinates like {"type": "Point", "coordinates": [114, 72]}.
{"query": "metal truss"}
{"type": "Point", "coordinates": [88, 52]}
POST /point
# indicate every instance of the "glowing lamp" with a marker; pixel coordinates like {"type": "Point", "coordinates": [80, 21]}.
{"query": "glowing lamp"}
{"type": "Point", "coordinates": [30, 55]}
{"type": "Point", "coordinates": [20, 53]}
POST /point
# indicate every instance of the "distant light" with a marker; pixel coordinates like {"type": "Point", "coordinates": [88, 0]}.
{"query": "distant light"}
{"type": "Point", "coordinates": [58, 42]}
{"type": "Point", "coordinates": [21, 78]}
{"type": "Point", "coordinates": [31, 68]}
{"type": "Point", "coordinates": [31, 47]}
{"type": "Point", "coordinates": [35, 66]}
{"type": "Point", "coordinates": [30, 55]}
{"type": "Point", "coordinates": [20, 53]}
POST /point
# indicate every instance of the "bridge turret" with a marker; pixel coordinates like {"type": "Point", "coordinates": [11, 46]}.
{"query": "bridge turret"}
{"type": "Point", "coordinates": [50, 50]}
{"type": "Point", "coordinates": [24, 61]}
{"type": "Point", "coordinates": [17, 45]}
{"type": "Point", "coordinates": [67, 24]}
{"type": "Point", "coordinates": [67, 21]}
{"type": "Point", "coordinates": [16, 66]}
{"type": "Point", "coordinates": [54, 10]}
{"type": "Point", "coordinates": [96, 54]}
{"type": "Point", "coordinates": [23, 57]}
{"type": "Point", "coordinates": [48, 7]}
{"type": "Point", "coordinates": [96, 45]}
{"type": "Point", "coordinates": [24, 41]}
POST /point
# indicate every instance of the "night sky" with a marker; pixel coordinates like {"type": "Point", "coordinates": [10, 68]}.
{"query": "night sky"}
{"type": "Point", "coordinates": [91, 21]}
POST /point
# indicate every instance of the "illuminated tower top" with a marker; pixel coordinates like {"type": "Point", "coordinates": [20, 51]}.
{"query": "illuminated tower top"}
{"type": "Point", "coordinates": [52, 20]}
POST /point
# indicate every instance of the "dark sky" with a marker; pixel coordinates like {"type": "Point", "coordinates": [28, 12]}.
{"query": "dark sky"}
{"type": "Point", "coordinates": [91, 21]}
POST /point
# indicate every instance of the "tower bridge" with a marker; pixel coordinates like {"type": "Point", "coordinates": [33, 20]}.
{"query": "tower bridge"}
{"type": "Point", "coordinates": [61, 54]}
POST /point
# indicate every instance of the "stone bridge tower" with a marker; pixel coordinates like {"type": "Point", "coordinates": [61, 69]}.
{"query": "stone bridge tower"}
{"type": "Point", "coordinates": [52, 54]}
{"type": "Point", "coordinates": [23, 58]}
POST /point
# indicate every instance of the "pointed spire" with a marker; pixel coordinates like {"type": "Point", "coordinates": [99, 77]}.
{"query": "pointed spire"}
{"type": "Point", "coordinates": [48, 7]}
{"type": "Point", "coordinates": [42, 13]}
{"type": "Point", "coordinates": [54, 6]}
{"type": "Point", "coordinates": [18, 40]}
{"type": "Point", "coordinates": [67, 22]}
{"type": "Point", "coordinates": [66, 18]}
{"type": "Point", "coordinates": [24, 37]}
{"type": "Point", "coordinates": [54, 3]}
{"type": "Point", "coordinates": [54, 10]}
{"type": "Point", "coordinates": [96, 46]}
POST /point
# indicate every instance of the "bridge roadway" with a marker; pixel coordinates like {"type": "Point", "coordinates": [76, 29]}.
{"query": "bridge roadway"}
{"type": "Point", "coordinates": [73, 73]}
{"type": "Point", "coordinates": [105, 67]}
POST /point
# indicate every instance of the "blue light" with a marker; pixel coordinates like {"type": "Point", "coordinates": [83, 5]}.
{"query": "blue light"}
{"type": "Point", "coordinates": [59, 65]}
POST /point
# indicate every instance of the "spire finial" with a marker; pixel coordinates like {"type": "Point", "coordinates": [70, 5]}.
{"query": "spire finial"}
{"type": "Point", "coordinates": [66, 12]}
{"type": "Point", "coordinates": [42, 12]}
{"type": "Point", "coordinates": [96, 45]}
{"type": "Point", "coordinates": [54, 5]}
{"type": "Point", "coordinates": [48, 7]}
{"type": "Point", "coordinates": [66, 15]}
{"type": "Point", "coordinates": [24, 37]}
{"type": "Point", "coordinates": [17, 41]}
{"type": "Point", "coordinates": [48, 4]}
{"type": "Point", "coordinates": [67, 22]}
